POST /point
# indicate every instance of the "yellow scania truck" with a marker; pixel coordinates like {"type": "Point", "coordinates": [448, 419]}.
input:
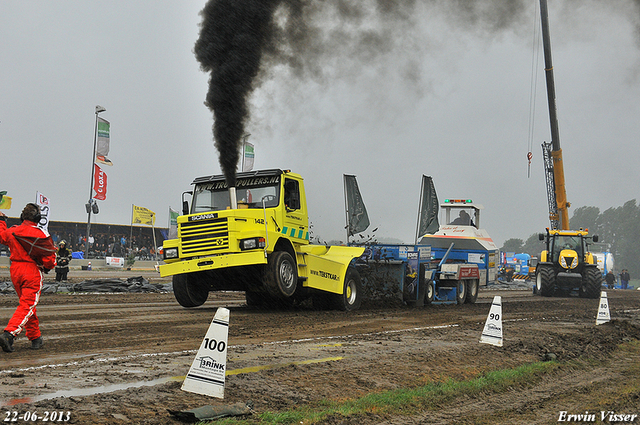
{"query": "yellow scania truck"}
{"type": "Point", "coordinates": [254, 237]}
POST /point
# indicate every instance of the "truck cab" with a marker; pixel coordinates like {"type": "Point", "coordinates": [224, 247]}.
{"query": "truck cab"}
{"type": "Point", "coordinates": [260, 247]}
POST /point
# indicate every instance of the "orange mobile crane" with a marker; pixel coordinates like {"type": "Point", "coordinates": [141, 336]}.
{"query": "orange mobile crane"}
{"type": "Point", "coordinates": [566, 264]}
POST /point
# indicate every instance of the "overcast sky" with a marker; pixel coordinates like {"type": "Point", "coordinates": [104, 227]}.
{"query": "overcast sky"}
{"type": "Point", "coordinates": [444, 91]}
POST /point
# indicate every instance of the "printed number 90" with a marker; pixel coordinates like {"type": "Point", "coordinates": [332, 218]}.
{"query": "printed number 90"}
{"type": "Point", "coordinates": [214, 345]}
{"type": "Point", "coordinates": [494, 316]}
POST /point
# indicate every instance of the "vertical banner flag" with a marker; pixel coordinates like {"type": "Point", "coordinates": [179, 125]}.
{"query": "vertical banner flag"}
{"type": "Point", "coordinates": [247, 156]}
{"type": "Point", "coordinates": [143, 215]}
{"type": "Point", "coordinates": [99, 183]}
{"type": "Point", "coordinates": [207, 373]}
{"type": "Point", "coordinates": [173, 223]}
{"type": "Point", "coordinates": [45, 211]}
{"type": "Point", "coordinates": [102, 148]}
{"type": "Point", "coordinates": [357, 217]}
{"type": "Point", "coordinates": [5, 201]}
{"type": "Point", "coordinates": [429, 208]}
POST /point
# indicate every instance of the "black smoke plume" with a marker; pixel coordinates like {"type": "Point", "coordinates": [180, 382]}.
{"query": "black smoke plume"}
{"type": "Point", "coordinates": [241, 41]}
{"type": "Point", "coordinates": [233, 35]}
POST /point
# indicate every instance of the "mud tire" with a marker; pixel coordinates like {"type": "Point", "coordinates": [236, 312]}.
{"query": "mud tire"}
{"type": "Point", "coordinates": [190, 289]}
{"type": "Point", "coordinates": [591, 283]}
{"type": "Point", "coordinates": [430, 292]}
{"type": "Point", "coordinates": [545, 280]}
{"type": "Point", "coordinates": [461, 292]}
{"type": "Point", "coordinates": [351, 297]}
{"type": "Point", "coordinates": [281, 275]}
{"type": "Point", "coordinates": [472, 291]}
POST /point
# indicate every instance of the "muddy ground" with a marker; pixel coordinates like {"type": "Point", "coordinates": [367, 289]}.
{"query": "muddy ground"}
{"type": "Point", "coordinates": [120, 358]}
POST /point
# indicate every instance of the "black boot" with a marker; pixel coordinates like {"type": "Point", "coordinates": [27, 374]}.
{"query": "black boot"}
{"type": "Point", "coordinates": [37, 343]}
{"type": "Point", "coordinates": [6, 341]}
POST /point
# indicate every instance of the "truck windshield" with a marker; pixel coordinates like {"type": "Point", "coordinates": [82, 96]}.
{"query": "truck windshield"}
{"type": "Point", "coordinates": [214, 197]}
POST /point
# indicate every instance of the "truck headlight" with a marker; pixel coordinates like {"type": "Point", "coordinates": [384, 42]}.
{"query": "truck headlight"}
{"type": "Point", "coordinates": [171, 253]}
{"type": "Point", "coordinates": [252, 243]}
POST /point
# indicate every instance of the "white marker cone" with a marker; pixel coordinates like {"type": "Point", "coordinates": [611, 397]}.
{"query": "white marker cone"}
{"type": "Point", "coordinates": [603, 310]}
{"type": "Point", "coordinates": [492, 333]}
{"type": "Point", "coordinates": [207, 372]}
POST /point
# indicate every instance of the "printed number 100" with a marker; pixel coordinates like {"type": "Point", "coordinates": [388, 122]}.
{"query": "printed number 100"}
{"type": "Point", "coordinates": [214, 345]}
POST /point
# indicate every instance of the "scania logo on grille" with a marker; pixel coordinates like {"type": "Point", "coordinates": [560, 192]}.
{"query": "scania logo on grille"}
{"type": "Point", "coordinates": [203, 217]}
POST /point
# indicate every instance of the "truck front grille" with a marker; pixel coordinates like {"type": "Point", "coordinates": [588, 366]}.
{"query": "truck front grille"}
{"type": "Point", "coordinates": [203, 237]}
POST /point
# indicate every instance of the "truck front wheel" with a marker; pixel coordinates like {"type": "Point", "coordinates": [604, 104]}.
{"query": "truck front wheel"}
{"type": "Point", "coordinates": [190, 289]}
{"type": "Point", "coordinates": [281, 278]}
{"type": "Point", "coordinates": [351, 296]}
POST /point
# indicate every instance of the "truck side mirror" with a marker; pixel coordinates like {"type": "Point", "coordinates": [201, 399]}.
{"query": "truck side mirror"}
{"type": "Point", "coordinates": [541, 236]}
{"type": "Point", "coordinates": [595, 238]}
{"type": "Point", "coordinates": [185, 204]}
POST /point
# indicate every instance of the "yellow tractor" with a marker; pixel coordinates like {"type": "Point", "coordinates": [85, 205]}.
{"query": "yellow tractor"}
{"type": "Point", "coordinates": [566, 265]}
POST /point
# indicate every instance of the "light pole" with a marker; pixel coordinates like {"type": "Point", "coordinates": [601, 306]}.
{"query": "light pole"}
{"type": "Point", "coordinates": [89, 206]}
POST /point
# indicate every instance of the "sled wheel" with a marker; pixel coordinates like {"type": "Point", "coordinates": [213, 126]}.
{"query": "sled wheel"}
{"type": "Point", "coordinates": [461, 293]}
{"type": "Point", "coordinates": [472, 291]}
{"type": "Point", "coordinates": [430, 292]}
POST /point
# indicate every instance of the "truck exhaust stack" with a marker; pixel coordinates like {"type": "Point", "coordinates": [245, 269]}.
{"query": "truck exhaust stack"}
{"type": "Point", "coordinates": [232, 198]}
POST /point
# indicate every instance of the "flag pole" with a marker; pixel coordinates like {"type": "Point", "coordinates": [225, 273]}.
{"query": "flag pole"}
{"type": "Point", "coordinates": [244, 145]}
{"type": "Point", "coordinates": [419, 210]}
{"type": "Point", "coordinates": [346, 208]}
{"type": "Point", "coordinates": [131, 228]}
{"type": "Point", "coordinates": [155, 245]}
{"type": "Point", "coordinates": [90, 204]}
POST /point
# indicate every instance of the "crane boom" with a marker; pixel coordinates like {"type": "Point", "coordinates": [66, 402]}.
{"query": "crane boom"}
{"type": "Point", "coordinates": [554, 168]}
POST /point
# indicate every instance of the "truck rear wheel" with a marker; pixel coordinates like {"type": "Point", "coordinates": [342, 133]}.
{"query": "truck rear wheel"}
{"type": "Point", "coordinates": [281, 276]}
{"type": "Point", "coordinates": [461, 292]}
{"type": "Point", "coordinates": [472, 291]}
{"type": "Point", "coordinates": [351, 296]}
{"type": "Point", "coordinates": [190, 289]}
{"type": "Point", "coordinates": [591, 283]}
{"type": "Point", "coordinates": [545, 280]}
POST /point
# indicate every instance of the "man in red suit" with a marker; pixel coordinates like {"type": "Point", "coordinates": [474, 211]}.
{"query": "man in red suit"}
{"type": "Point", "coordinates": [32, 254]}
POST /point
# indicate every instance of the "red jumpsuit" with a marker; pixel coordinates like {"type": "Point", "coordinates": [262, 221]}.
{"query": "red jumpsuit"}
{"type": "Point", "coordinates": [26, 276]}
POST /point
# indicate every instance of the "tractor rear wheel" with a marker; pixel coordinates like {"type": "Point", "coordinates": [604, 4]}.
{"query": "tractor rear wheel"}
{"type": "Point", "coordinates": [545, 280]}
{"type": "Point", "coordinates": [591, 283]}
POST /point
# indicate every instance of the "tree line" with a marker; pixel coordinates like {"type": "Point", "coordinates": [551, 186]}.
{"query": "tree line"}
{"type": "Point", "coordinates": [618, 229]}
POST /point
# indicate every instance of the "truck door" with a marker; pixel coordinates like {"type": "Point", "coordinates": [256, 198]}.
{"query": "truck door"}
{"type": "Point", "coordinates": [296, 221]}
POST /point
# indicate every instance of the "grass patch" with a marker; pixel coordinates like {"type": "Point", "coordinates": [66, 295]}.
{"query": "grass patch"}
{"type": "Point", "coordinates": [407, 401]}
